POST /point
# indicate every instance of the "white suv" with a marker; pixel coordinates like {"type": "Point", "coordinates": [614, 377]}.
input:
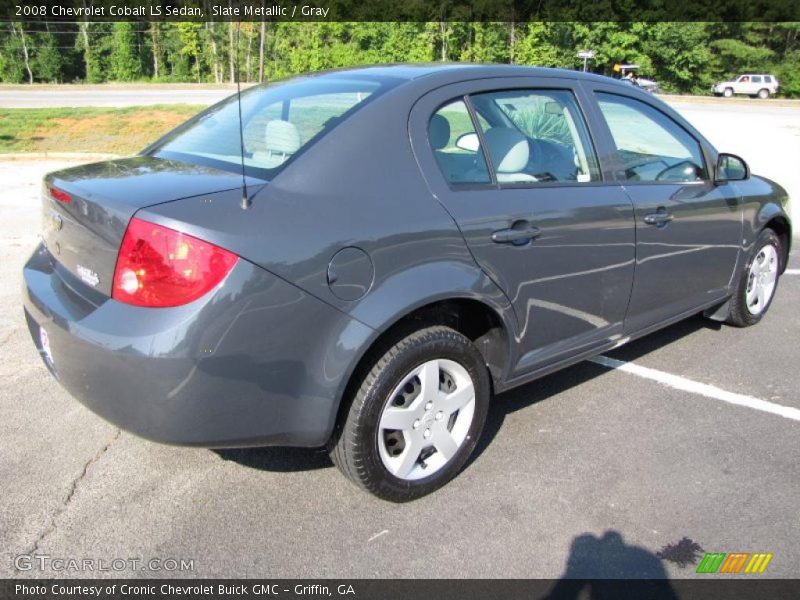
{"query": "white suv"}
{"type": "Point", "coordinates": [761, 86]}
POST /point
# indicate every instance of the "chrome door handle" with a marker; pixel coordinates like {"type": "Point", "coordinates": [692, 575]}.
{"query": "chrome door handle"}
{"type": "Point", "coordinates": [516, 234]}
{"type": "Point", "coordinates": [659, 219]}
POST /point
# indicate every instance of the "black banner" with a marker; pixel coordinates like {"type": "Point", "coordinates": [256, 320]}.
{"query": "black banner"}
{"type": "Point", "coordinates": [384, 589]}
{"type": "Point", "coordinates": [402, 10]}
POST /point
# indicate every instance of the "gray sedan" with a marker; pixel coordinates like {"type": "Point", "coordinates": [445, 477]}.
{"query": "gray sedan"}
{"type": "Point", "coordinates": [360, 259]}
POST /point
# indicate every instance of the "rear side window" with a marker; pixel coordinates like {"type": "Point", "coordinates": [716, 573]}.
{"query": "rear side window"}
{"type": "Point", "coordinates": [650, 145]}
{"type": "Point", "coordinates": [756, 78]}
{"type": "Point", "coordinates": [531, 137]}
{"type": "Point", "coordinates": [455, 144]}
{"type": "Point", "coordinates": [279, 122]}
{"type": "Point", "coordinates": [767, 79]}
{"type": "Point", "coordinates": [536, 136]}
{"type": "Point", "coordinates": [278, 131]}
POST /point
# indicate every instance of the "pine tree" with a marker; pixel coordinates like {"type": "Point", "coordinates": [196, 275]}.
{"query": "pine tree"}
{"type": "Point", "coordinates": [124, 60]}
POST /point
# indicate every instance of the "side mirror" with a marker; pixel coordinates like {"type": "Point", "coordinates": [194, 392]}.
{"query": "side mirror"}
{"type": "Point", "coordinates": [469, 142]}
{"type": "Point", "coordinates": [731, 168]}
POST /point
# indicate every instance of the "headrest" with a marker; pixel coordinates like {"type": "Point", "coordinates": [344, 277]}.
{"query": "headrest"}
{"type": "Point", "coordinates": [281, 137]}
{"type": "Point", "coordinates": [438, 132]}
{"type": "Point", "coordinates": [508, 149]}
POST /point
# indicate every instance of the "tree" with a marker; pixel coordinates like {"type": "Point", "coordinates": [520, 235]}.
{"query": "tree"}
{"type": "Point", "coordinates": [262, 40]}
{"type": "Point", "coordinates": [47, 62]}
{"type": "Point", "coordinates": [536, 46]}
{"type": "Point", "coordinates": [684, 57]}
{"type": "Point", "coordinates": [12, 69]}
{"type": "Point", "coordinates": [189, 36]}
{"type": "Point", "coordinates": [679, 55]}
{"type": "Point", "coordinates": [733, 55]}
{"type": "Point", "coordinates": [19, 30]}
{"type": "Point", "coordinates": [156, 49]}
{"type": "Point", "coordinates": [124, 60]}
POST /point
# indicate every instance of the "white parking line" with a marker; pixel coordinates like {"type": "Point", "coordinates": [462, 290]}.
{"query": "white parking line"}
{"type": "Point", "coordinates": [792, 272]}
{"type": "Point", "coordinates": [687, 385]}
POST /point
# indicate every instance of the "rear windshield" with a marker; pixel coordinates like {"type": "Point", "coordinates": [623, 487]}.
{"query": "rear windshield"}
{"type": "Point", "coordinates": [280, 122]}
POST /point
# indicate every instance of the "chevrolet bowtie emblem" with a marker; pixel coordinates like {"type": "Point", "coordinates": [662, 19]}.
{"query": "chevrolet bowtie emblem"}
{"type": "Point", "coordinates": [55, 222]}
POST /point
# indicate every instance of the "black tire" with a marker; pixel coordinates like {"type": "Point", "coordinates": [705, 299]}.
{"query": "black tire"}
{"type": "Point", "coordinates": [763, 93]}
{"type": "Point", "coordinates": [354, 446]}
{"type": "Point", "coordinates": [738, 313]}
{"type": "Point", "coordinates": [728, 92]}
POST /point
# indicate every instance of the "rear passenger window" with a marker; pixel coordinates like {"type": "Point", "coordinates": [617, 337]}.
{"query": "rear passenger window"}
{"type": "Point", "coordinates": [651, 146]}
{"type": "Point", "coordinates": [536, 136]}
{"type": "Point", "coordinates": [279, 130]}
{"type": "Point", "coordinates": [455, 145]}
{"type": "Point", "coordinates": [756, 78]}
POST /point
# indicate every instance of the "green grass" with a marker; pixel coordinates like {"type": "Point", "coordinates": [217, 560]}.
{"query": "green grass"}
{"type": "Point", "coordinates": [107, 130]}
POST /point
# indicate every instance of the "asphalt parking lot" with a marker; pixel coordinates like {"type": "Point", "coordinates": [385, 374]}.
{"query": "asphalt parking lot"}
{"type": "Point", "coordinates": [592, 471]}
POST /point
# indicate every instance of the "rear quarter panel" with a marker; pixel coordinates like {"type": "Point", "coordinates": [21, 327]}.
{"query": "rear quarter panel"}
{"type": "Point", "coordinates": [361, 187]}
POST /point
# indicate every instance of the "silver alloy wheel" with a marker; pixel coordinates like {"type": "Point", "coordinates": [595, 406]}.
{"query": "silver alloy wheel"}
{"type": "Point", "coordinates": [426, 419]}
{"type": "Point", "coordinates": [761, 279]}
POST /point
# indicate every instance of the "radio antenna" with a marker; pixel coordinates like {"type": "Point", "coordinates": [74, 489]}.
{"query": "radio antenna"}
{"type": "Point", "coordinates": [245, 203]}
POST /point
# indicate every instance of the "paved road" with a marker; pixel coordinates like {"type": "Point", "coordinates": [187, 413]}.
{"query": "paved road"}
{"type": "Point", "coordinates": [767, 137]}
{"type": "Point", "coordinates": [594, 466]}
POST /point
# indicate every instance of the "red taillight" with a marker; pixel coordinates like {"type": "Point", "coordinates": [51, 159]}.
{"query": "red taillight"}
{"type": "Point", "coordinates": [160, 267]}
{"type": "Point", "coordinates": [60, 195]}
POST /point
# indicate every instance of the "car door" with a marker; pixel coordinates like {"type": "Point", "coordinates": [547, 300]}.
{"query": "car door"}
{"type": "Point", "coordinates": [756, 84]}
{"type": "Point", "coordinates": [741, 85]}
{"type": "Point", "coordinates": [511, 159]}
{"type": "Point", "coordinates": [687, 228]}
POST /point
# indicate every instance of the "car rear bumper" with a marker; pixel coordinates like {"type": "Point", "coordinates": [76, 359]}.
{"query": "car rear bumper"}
{"type": "Point", "coordinates": [254, 362]}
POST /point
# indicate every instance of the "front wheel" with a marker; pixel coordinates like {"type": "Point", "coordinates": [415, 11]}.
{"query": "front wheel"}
{"type": "Point", "coordinates": [416, 416]}
{"type": "Point", "coordinates": [758, 282]}
{"type": "Point", "coordinates": [728, 92]}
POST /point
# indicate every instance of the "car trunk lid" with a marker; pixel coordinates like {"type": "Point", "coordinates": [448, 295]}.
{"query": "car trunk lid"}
{"type": "Point", "coordinates": [86, 209]}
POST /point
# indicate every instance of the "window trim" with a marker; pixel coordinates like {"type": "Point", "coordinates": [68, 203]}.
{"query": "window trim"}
{"type": "Point", "coordinates": [476, 125]}
{"type": "Point", "coordinates": [617, 159]}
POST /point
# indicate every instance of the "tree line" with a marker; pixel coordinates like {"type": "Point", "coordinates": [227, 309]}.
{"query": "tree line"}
{"type": "Point", "coordinates": [684, 57]}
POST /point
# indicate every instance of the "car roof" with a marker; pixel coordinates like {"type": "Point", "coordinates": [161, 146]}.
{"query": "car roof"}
{"type": "Point", "coordinates": [437, 74]}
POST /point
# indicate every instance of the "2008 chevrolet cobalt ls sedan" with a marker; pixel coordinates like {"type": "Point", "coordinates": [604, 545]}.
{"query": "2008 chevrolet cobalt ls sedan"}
{"type": "Point", "coordinates": [369, 255]}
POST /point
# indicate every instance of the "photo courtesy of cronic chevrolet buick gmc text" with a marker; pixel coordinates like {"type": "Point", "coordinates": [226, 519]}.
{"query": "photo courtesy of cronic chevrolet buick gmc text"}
{"type": "Point", "coordinates": [408, 241]}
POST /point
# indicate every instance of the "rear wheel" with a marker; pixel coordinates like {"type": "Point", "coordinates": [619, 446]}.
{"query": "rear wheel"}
{"type": "Point", "coordinates": [415, 417]}
{"type": "Point", "coordinates": [763, 94]}
{"type": "Point", "coordinates": [758, 281]}
{"type": "Point", "coordinates": [727, 92]}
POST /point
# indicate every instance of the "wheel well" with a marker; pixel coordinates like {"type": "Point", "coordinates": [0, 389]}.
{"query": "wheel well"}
{"type": "Point", "coordinates": [784, 232]}
{"type": "Point", "coordinates": [472, 318]}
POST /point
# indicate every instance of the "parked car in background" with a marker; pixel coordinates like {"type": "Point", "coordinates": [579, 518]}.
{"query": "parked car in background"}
{"type": "Point", "coordinates": [629, 74]}
{"type": "Point", "coordinates": [412, 240]}
{"type": "Point", "coordinates": [753, 85]}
